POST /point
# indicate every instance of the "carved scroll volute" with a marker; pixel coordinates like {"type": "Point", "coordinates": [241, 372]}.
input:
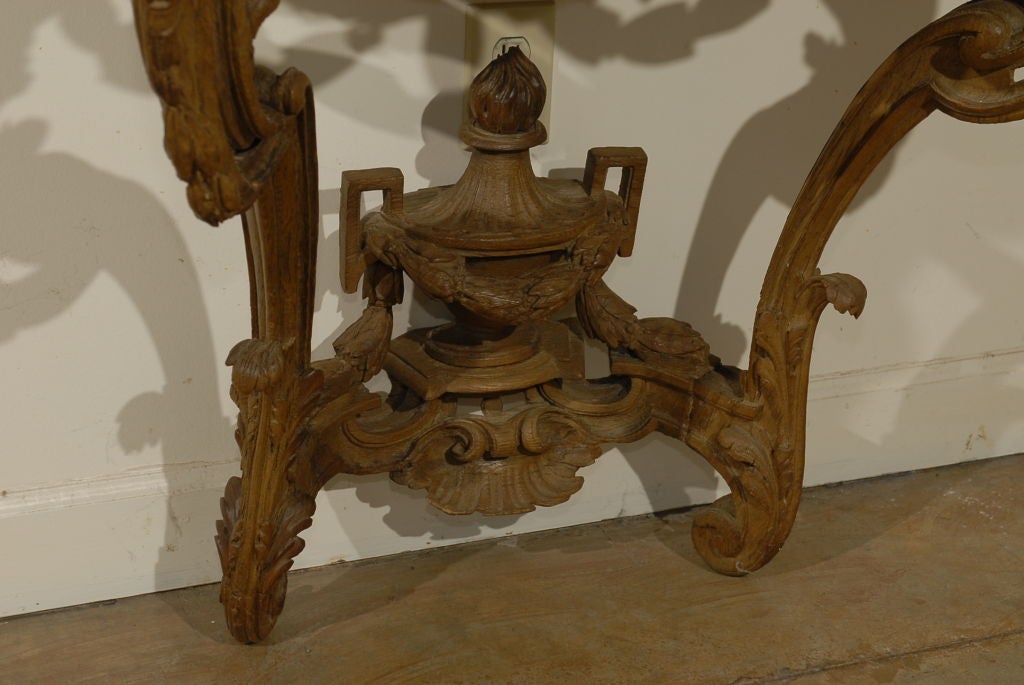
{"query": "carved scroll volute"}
{"type": "Point", "coordinates": [224, 117]}
{"type": "Point", "coordinates": [962, 64]}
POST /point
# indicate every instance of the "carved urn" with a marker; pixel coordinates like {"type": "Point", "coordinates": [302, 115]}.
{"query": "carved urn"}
{"type": "Point", "coordinates": [503, 249]}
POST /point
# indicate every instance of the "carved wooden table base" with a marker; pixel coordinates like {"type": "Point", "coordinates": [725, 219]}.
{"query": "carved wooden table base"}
{"type": "Point", "coordinates": [243, 139]}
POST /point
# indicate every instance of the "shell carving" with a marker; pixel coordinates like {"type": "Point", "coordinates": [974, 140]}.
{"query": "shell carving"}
{"type": "Point", "coordinates": [501, 465]}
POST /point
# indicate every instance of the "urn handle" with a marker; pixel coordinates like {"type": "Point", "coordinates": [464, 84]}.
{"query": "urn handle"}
{"type": "Point", "coordinates": [633, 162]}
{"type": "Point", "coordinates": [353, 185]}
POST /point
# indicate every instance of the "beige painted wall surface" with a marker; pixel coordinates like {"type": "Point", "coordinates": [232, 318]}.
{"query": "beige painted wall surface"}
{"type": "Point", "coordinates": [117, 307]}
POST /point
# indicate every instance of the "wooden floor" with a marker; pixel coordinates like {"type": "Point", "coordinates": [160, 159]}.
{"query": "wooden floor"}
{"type": "Point", "coordinates": [907, 579]}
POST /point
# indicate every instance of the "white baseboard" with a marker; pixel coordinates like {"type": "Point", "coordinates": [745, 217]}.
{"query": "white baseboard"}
{"type": "Point", "coordinates": [915, 415]}
{"type": "Point", "coordinates": [152, 529]}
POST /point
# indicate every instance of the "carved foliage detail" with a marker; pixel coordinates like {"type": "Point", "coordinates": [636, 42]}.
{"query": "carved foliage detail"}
{"type": "Point", "coordinates": [660, 341]}
{"type": "Point", "coordinates": [265, 511]}
{"type": "Point", "coordinates": [224, 127]}
{"type": "Point", "coordinates": [762, 459]}
{"type": "Point", "coordinates": [736, 535]}
{"type": "Point", "coordinates": [255, 579]}
{"type": "Point", "coordinates": [531, 295]}
{"type": "Point", "coordinates": [364, 345]}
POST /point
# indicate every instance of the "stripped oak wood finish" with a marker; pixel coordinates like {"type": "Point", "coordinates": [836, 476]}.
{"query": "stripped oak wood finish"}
{"type": "Point", "coordinates": [505, 250]}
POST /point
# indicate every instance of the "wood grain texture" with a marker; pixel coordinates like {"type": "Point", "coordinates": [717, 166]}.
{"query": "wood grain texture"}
{"type": "Point", "coordinates": [505, 251]}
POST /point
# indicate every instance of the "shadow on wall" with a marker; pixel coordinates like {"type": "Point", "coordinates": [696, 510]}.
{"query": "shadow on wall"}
{"type": "Point", "coordinates": [772, 153]}
{"type": "Point", "coordinates": [660, 35]}
{"type": "Point", "coordinates": [92, 28]}
{"type": "Point", "coordinates": [71, 223]}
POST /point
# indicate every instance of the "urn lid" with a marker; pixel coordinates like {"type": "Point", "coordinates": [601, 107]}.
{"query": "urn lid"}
{"type": "Point", "coordinates": [499, 205]}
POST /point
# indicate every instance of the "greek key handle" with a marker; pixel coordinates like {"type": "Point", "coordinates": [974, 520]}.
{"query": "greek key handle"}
{"type": "Point", "coordinates": [353, 185]}
{"type": "Point", "coordinates": [633, 162]}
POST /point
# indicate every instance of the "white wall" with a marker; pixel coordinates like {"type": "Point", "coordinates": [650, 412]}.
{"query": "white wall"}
{"type": "Point", "coordinates": [117, 307]}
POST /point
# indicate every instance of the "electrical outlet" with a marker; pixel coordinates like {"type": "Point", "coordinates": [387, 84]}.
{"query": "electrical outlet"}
{"type": "Point", "coordinates": [492, 27]}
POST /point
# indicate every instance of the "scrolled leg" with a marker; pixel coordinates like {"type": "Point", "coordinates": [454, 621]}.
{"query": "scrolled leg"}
{"type": "Point", "coordinates": [963, 65]}
{"type": "Point", "coordinates": [756, 440]}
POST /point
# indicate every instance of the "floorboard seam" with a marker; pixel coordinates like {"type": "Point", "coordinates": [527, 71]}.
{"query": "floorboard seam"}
{"type": "Point", "coordinates": [825, 668]}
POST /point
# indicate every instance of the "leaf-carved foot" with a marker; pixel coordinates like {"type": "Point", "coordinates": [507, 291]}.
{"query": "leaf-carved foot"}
{"type": "Point", "coordinates": [265, 510]}
{"type": "Point", "coordinates": [743, 531]}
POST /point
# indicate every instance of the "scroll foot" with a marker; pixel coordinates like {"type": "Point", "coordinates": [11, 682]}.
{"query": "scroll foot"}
{"type": "Point", "coordinates": [266, 509]}
{"type": "Point", "coordinates": [257, 549]}
{"type": "Point", "coordinates": [742, 532]}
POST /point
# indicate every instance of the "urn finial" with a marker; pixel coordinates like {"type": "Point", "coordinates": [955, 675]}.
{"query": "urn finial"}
{"type": "Point", "coordinates": [508, 96]}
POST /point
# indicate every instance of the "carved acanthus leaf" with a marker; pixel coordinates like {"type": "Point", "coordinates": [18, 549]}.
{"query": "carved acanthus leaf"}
{"type": "Point", "coordinates": [228, 533]}
{"type": "Point", "coordinates": [256, 364]}
{"type": "Point", "coordinates": [846, 293]}
{"type": "Point", "coordinates": [264, 512]}
{"type": "Point", "coordinates": [606, 316]}
{"type": "Point", "coordinates": [734, 537]}
{"type": "Point", "coordinates": [271, 546]}
{"type": "Point", "coordinates": [364, 345]}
